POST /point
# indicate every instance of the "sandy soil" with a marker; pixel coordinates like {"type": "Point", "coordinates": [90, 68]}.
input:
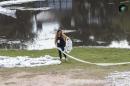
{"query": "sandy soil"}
{"type": "Point", "coordinates": [50, 79]}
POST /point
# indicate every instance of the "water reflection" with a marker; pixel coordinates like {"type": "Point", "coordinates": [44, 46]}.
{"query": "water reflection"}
{"type": "Point", "coordinates": [97, 22]}
{"type": "Point", "coordinates": [19, 29]}
{"type": "Point", "coordinates": [87, 22]}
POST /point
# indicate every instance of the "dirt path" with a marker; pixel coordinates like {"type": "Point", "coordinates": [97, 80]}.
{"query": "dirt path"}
{"type": "Point", "coordinates": [39, 79]}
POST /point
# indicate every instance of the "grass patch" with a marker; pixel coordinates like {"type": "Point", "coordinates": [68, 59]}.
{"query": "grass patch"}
{"type": "Point", "coordinates": [88, 54]}
{"type": "Point", "coordinates": [102, 54]}
{"type": "Point", "coordinates": [31, 53]}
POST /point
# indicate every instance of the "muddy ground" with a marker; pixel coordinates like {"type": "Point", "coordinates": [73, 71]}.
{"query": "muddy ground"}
{"type": "Point", "coordinates": [70, 78]}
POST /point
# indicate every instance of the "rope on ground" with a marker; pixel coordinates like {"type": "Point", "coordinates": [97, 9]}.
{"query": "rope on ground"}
{"type": "Point", "coordinates": [87, 62]}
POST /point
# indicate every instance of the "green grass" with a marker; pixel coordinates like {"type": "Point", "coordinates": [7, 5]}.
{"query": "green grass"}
{"type": "Point", "coordinates": [87, 54]}
{"type": "Point", "coordinates": [102, 54]}
{"type": "Point", "coordinates": [31, 53]}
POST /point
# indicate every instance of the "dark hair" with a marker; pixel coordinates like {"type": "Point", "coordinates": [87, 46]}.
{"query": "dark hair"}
{"type": "Point", "coordinates": [59, 30]}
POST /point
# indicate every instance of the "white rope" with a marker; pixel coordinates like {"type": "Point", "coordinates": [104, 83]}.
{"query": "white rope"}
{"type": "Point", "coordinates": [87, 62]}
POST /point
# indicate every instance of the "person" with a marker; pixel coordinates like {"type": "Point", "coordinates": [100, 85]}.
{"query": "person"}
{"type": "Point", "coordinates": [60, 41]}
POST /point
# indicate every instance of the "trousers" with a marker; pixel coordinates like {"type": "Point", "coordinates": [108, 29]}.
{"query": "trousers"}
{"type": "Point", "coordinates": [60, 53]}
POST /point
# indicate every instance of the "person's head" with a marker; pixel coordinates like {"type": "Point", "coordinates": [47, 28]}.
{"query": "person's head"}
{"type": "Point", "coordinates": [59, 32]}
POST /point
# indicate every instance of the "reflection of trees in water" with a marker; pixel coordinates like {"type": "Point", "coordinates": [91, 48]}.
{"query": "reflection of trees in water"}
{"type": "Point", "coordinates": [89, 17]}
{"type": "Point", "coordinates": [24, 26]}
{"type": "Point", "coordinates": [92, 17]}
{"type": "Point", "coordinates": [20, 28]}
{"type": "Point", "coordinates": [16, 29]}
